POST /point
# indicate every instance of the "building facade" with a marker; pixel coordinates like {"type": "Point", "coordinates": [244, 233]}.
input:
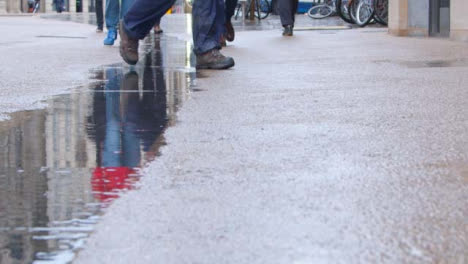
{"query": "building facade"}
{"type": "Point", "coordinates": [23, 6]}
{"type": "Point", "coordinates": [438, 18]}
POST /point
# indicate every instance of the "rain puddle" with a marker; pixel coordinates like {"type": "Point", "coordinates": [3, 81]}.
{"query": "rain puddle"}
{"type": "Point", "coordinates": [60, 167]}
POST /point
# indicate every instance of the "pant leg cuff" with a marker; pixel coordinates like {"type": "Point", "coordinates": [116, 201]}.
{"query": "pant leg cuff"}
{"type": "Point", "coordinates": [130, 33]}
{"type": "Point", "coordinates": [206, 48]}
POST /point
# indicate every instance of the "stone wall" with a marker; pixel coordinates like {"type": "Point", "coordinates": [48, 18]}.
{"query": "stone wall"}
{"type": "Point", "coordinates": [409, 17]}
{"type": "Point", "coordinates": [418, 18]}
{"type": "Point", "coordinates": [459, 20]}
{"type": "Point", "coordinates": [3, 7]}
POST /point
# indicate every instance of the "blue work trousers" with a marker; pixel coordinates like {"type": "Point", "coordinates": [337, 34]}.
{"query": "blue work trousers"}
{"type": "Point", "coordinates": [208, 21]}
{"type": "Point", "coordinates": [208, 24]}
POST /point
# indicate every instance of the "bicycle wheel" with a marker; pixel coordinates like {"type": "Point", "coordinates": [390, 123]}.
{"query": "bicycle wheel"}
{"type": "Point", "coordinates": [342, 10]}
{"type": "Point", "coordinates": [364, 12]}
{"type": "Point", "coordinates": [352, 9]}
{"type": "Point", "coordinates": [262, 9]}
{"type": "Point", "coordinates": [320, 11]}
{"type": "Point", "coordinates": [381, 11]}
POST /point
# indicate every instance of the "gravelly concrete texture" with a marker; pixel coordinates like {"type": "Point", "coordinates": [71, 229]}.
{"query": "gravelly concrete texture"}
{"type": "Point", "coordinates": [40, 58]}
{"type": "Point", "coordinates": [327, 147]}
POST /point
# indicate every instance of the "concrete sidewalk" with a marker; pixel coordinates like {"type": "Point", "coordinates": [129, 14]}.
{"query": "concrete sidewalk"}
{"type": "Point", "coordinates": [327, 147]}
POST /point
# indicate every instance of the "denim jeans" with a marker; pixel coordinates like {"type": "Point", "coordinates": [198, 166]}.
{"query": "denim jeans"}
{"type": "Point", "coordinates": [115, 11]}
{"type": "Point", "coordinates": [208, 21]}
{"type": "Point", "coordinates": [208, 24]}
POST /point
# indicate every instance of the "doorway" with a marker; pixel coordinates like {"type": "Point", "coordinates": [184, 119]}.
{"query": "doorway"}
{"type": "Point", "coordinates": [439, 18]}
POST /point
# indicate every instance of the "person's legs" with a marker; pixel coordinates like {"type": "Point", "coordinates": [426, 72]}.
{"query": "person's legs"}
{"type": "Point", "coordinates": [137, 23]}
{"type": "Point", "coordinates": [294, 10]}
{"type": "Point", "coordinates": [112, 14]}
{"type": "Point", "coordinates": [208, 27]}
{"type": "Point", "coordinates": [99, 15]}
{"type": "Point", "coordinates": [206, 34]}
{"type": "Point", "coordinates": [229, 12]}
{"type": "Point", "coordinates": [285, 8]}
{"type": "Point", "coordinates": [112, 20]}
{"type": "Point", "coordinates": [143, 15]}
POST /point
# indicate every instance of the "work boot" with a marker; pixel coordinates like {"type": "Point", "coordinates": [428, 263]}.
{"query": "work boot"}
{"type": "Point", "coordinates": [230, 34]}
{"type": "Point", "coordinates": [128, 46]}
{"type": "Point", "coordinates": [213, 59]}
{"type": "Point", "coordinates": [111, 37]}
{"type": "Point", "coordinates": [288, 30]}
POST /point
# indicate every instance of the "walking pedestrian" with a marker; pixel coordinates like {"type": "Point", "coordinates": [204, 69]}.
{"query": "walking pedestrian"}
{"type": "Point", "coordinates": [287, 10]}
{"type": "Point", "coordinates": [58, 5]}
{"type": "Point", "coordinates": [99, 16]}
{"type": "Point", "coordinates": [208, 26]}
{"type": "Point", "coordinates": [114, 12]}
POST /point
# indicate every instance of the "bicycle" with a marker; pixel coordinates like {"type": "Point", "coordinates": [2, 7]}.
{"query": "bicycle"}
{"type": "Point", "coordinates": [363, 11]}
{"type": "Point", "coordinates": [262, 8]}
{"type": "Point", "coordinates": [323, 10]}
{"type": "Point", "coordinates": [342, 9]}
{"type": "Point", "coordinates": [381, 11]}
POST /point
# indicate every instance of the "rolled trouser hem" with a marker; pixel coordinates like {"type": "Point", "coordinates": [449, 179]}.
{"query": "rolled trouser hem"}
{"type": "Point", "coordinates": [206, 48]}
{"type": "Point", "coordinates": [129, 32]}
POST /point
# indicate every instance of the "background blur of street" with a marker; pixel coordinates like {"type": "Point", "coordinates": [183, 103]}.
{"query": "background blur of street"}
{"type": "Point", "coordinates": [338, 145]}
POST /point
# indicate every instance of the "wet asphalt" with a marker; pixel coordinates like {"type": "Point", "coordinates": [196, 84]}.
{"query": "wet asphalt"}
{"type": "Point", "coordinates": [331, 146]}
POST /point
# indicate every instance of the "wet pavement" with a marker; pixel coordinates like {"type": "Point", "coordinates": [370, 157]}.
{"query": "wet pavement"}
{"type": "Point", "coordinates": [61, 167]}
{"type": "Point", "coordinates": [320, 148]}
{"type": "Point", "coordinates": [342, 146]}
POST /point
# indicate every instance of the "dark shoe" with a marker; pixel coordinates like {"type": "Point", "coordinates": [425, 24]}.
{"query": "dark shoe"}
{"type": "Point", "coordinates": [288, 31]}
{"type": "Point", "coordinates": [213, 59]}
{"type": "Point", "coordinates": [230, 34]}
{"type": "Point", "coordinates": [128, 46]}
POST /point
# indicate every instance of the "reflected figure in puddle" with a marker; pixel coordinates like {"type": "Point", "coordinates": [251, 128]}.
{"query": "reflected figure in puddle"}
{"type": "Point", "coordinates": [127, 121]}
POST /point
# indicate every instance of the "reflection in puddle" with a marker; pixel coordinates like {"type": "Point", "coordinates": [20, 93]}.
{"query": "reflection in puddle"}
{"type": "Point", "coordinates": [61, 166]}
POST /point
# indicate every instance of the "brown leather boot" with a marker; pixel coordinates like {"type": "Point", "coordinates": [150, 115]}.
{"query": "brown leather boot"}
{"type": "Point", "coordinates": [213, 59]}
{"type": "Point", "coordinates": [128, 46]}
